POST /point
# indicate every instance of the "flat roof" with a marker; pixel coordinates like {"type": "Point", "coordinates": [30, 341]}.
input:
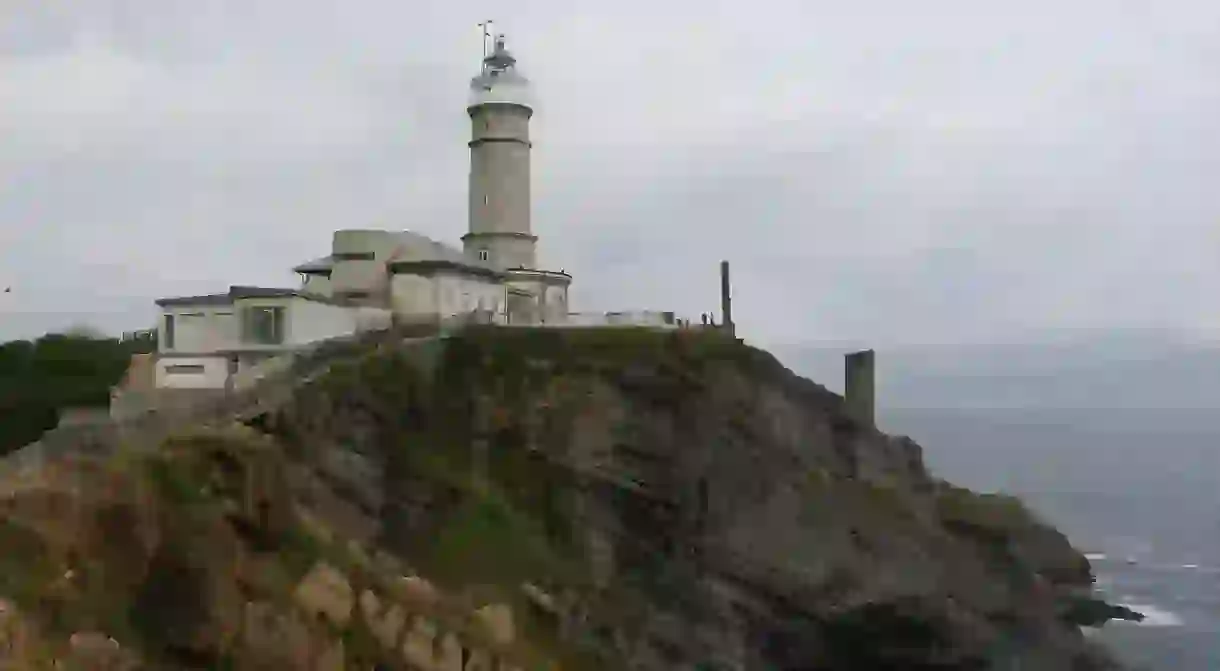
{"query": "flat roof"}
{"type": "Point", "coordinates": [240, 292]}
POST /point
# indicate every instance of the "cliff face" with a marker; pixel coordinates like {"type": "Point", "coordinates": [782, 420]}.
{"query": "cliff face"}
{"type": "Point", "coordinates": [638, 499]}
{"type": "Point", "coordinates": [750, 521]}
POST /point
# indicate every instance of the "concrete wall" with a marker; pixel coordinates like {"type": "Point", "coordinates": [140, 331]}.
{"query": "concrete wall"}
{"type": "Point", "coordinates": [860, 387]}
{"type": "Point", "coordinates": [317, 284]}
{"type": "Point", "coordinates": [499, 188]}
{"type": "Point", "coordinates": [444, 294]}
{"type": "Point", "coordinates": [412, 294]}
{"type": "Point", "coordinates": [210, 372]}
{"type": "Point", "coordinates": [373, 319]}
{"type": "Point", "coordinates": [199, 328]}
{"type": "Point", "coordinates": [310, 321]}
{"type": "Point", "coordinates": [362, 275]}
{"type": "Point", "coordinates": [550, 296]}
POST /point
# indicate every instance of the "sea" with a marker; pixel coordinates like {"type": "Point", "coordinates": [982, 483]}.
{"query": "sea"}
{"type": "Point", "coordinates": [1137, 490]}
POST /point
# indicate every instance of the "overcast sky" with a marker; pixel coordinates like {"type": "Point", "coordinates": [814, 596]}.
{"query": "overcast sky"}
{"type": "Point", "coordinates": [878, 170]}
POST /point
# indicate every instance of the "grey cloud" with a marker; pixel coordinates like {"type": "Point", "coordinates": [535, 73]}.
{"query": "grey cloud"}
{"type": "Point", "coordinates": [878, 171]}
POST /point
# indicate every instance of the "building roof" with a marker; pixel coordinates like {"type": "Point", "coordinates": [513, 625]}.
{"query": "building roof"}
{"type": "Point", "coordinates": [239, 292]}
{"type": "Point", "coordinates": [410, 249]}
{"type": "Point", "coordinates": [318, 265]}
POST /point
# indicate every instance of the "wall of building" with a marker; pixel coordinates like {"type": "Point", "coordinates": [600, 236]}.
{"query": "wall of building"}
{"type": "Point", "coordinates": [444, 294]}
{"type": "Point", "coordinates": [504, 251]}
{"type": "Point", "coordinates": [317, 284]}
{"type": "Point", "coordinates": [499, 189]}
{"type": "Point", "coordinates": [361, 275]}
{"type": "Point", "coordinates": [310, 321]}
{"type": "Point", "coordinates": [555, 302]}
{"type": "Point", "coordinates": [460, 293]}
{"type": "Point", "coordinates": [199, 329]}
{"type": "Point", "coordinates": [209, 372]}
{"type": "Point", "coordinates": [412, 295]}
{"type": "Point", "coordinates": [550, 296]}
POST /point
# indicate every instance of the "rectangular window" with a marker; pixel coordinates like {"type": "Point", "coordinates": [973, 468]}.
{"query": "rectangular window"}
{"type": "Point", "coordinates": [354, 256]}
{"type": "Point", "coordinates": [263, 325]}
{"type": "Point", "coordinates": [169, 331]}
{"type": "Point", "coordinates": [184, 369]}
{"type": "Point", "coordinates": [483, 255]}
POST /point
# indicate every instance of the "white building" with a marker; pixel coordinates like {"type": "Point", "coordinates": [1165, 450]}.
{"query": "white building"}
{"type": "Point", "coordinates": [371, 276]}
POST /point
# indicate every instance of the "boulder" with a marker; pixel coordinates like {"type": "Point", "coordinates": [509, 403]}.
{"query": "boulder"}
{"type": "Point", "coordinates": [325, 591]}
{"type": "Point", "coordinates": [497, 621]}
{"type": "Point", "coordinates": [419, 643]}
{"type": "Point", "coordinates": [416, 591]}
{"type": "Point", "coordinates": [385, 626]}
{"type": "Point", "coordinates": [274, 640]}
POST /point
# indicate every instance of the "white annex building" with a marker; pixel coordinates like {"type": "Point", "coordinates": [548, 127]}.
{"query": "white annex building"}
{"type": "Point", "coordinates": [371, 278]}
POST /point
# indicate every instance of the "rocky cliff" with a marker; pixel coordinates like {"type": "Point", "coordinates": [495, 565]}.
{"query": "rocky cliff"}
{"type": "Point", "coordinates": [598, 499]}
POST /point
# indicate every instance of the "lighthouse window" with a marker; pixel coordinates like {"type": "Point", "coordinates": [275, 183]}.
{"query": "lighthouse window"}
{"type": "Point", "coordinates": [483, 255]}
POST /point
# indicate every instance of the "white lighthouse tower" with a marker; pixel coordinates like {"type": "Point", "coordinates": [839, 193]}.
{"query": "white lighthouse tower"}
{"type": "Point", "coordinates": [500, 232]}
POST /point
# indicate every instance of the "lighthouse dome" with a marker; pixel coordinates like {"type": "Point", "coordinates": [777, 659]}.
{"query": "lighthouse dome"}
{"type": "Point", "coordinates": [500, 81]}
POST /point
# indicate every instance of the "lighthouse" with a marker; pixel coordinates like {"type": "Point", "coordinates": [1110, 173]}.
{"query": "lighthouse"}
{"type": "Point", "coordinates": [500, 231]}
{"type": "Point", "coordinates": [500, 108]}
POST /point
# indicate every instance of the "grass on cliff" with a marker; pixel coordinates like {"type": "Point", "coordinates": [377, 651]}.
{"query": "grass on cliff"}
{"type": "Point", "coordinates": [992, 517]}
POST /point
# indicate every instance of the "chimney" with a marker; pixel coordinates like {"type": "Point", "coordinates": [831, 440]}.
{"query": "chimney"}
{"type": "Point", "coordinates": [860, 394]}
{"type": "Point", "coordinates": [726, 300]}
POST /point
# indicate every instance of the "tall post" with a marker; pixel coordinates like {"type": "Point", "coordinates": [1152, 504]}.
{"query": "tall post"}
{"type": "Point", "coordinates": [860, 394]}
{"type": "Point", "coordinates": [726, 300]}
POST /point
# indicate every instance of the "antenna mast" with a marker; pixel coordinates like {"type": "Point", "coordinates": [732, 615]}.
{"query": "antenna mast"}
{"type": "Point", "coordinates": [486, 26]}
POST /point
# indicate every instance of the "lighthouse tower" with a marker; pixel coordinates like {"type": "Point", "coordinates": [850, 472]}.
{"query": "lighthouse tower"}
{"type": "Point", "coordinates": [500, 108]}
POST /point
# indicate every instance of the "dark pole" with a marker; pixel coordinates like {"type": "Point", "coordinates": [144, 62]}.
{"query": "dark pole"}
{"type": "Point", "coordinates": [726, 300]}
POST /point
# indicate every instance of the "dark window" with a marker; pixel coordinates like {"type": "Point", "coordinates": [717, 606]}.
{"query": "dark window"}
{"type": "Point", "coordinates": [169, 331]}
{"type": "Point", "coordinates": [483, 255]}
{"type": "Point", "coordinates": [354, 256]}
{"type": "Point", "coordinates": [184, 369]}
{"type": "Point", "coordinates": [263, 325]}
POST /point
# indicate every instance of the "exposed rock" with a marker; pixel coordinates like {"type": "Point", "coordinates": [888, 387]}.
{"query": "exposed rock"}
{"type": "Point", "coordinates": [449, 656]}
{"type": "Point", "coordinates": [331, 659]}
{"type": "Point", "coordinates": [415, 590]}
{"type": "Point", "coordinates": [188, 601]}
{"type": "Point", "coordinates": [325, 591]}
{"type": "Point", "coordinates": [497, 621]}
{"type": "Point", "coordinates": [479, 660]}
{"type": "Point", "coordinates": [673, 501]}
{"type": "Point", "coordinates": [94, 651]}
{"type": "Point", "coordinates": [418, 644]}
{"type": "Point", "coordinates": [386, 626]}
{"type": "Point", "coordinates": [273, 639]}
{"type": "Point", "coordinates": [14, 636]}
{"type": "Point", "coordinates": [539, 597]}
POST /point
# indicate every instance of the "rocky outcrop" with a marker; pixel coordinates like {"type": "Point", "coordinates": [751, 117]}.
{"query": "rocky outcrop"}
{"type": "Point", "coordinates": [601, 498]}
{"type": "Point", "coordinates": [736, 510]}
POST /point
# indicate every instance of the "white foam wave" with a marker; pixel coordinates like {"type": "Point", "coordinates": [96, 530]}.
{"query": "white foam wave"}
{"type": "Point", "coordinates": [1095, 556]}
{"type": "Point", "coordinates": [1153, 616]}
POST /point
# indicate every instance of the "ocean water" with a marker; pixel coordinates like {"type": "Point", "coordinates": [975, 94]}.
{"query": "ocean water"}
{"type": "Point", "coordinates": [1138, 491]}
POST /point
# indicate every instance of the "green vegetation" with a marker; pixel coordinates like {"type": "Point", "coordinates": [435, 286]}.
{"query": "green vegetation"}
{"type": "Point", "coordinates": [39, 378]}
{"type": "Point", "coordinates": [25, 565]}
{"type": "Point", "coordinates": [985, 516]}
